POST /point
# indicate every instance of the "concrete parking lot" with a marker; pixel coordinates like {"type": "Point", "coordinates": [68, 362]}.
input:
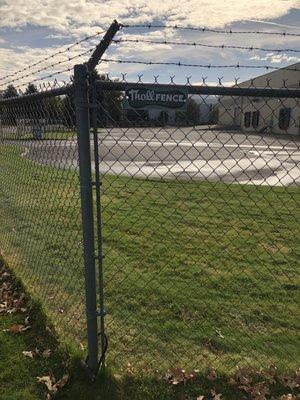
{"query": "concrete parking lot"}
{"type": "Point", "coordinates": [183, 153]}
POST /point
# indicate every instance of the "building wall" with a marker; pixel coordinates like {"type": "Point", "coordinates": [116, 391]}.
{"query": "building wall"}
{"type": "Point", "coordinates": [269, 111]}
{"type": "Point", "coordinates": [276, 79]}
{"type": "Point", "coordinates": [232, 109]}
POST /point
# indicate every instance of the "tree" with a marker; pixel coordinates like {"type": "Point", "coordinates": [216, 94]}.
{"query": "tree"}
{"type": "Point", "coordinates": [10, 92]}
{"type": "Point", "coordinates": [31, 88]}
{"type": "Point", "coordinates": [191, 115]}
{"type": "Point", "coordinates": [8, 113]}
{"type": "Point", "coordinates": [109, 110]}
{"type": "Point", "coordinates": [109, 104]}
{"type": "Point", "coordinates": [192, 112]}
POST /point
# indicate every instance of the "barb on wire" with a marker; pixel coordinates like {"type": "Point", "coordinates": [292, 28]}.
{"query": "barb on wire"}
{"type": "Point", "coordinates": [68, 48]}
{"type": "Point", "coordinates": [160, 26]}
{"type": "Point", "coordinates": [181, 64]}
{"type": "Point", "coordinates": [45, 77]}
{"type": "Point", "coordinates": [195, 44]}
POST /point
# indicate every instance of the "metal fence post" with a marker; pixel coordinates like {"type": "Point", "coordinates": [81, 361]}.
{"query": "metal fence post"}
{"type": "Point", "coordinates": [83, 135]}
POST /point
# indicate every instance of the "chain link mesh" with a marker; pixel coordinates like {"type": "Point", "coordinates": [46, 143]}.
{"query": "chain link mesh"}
{"type": "Point", "coordinates": [40, 230]}
{"type": "Point", "coordinates": [200, 215]}
{"type": "Point", "coordinates": [199, 227]}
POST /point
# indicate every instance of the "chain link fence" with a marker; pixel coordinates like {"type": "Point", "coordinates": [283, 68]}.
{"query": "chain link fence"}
{"type": "Point", "coordinates": [41, 234]}
{"type": "Point", "coordinates": [200, 217]}
{"type": "Point", "coordinates": [185, 200]}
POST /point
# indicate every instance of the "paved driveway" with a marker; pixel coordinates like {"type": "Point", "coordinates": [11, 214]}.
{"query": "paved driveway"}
{"type": "Point", "coordinates": [183, 153]}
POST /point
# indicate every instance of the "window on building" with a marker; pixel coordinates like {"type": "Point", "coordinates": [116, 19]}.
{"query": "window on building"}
{"type": "Point", "coordinates": [284, 118]}
{"type": "Point", "coordinates": [255, 119]}
{"type": "Point", "coordinates": [247, 119]}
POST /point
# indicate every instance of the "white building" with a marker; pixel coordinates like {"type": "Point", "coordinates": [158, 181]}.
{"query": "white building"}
{"type": "Point", "coordinates": [271, 115]}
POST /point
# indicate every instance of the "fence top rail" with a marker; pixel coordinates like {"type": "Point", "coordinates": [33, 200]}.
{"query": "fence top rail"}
{"type": "Point", "coordinates": [202, 89]}
{"type": "Point", "coordinates": [37, 96]}
{"type": "Point", "coordinates": [192, 89]}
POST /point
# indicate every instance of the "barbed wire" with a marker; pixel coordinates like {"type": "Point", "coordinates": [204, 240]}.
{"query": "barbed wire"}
{"type": "Point", "coordinates": [181, 64]}
{"type": "Point", "coordinates": [160, 26]}
{"type": "Point", "coordinates": [141, 62]}
{"type": "Point", "coordinates": [197, 44]}
{"type": "Point", "coordinates": [45, 68]}
{"type": "Point", "coordinates": [53, 55]}
{"type": "Point", "coordinates": [45, 77]}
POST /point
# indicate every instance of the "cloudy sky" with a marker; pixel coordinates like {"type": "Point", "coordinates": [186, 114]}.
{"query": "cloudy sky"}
{"type": "Point", "coordinates": [31, 30]}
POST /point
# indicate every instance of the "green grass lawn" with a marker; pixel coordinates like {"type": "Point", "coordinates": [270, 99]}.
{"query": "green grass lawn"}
{"type": "Point", "coordinates": [197, 274]}
{"type": "Point", "coordinates": [19, 373]}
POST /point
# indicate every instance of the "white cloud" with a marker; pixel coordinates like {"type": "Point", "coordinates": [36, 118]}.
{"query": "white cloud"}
{"type": "Point", "coordinates": [18, 58]}
{"type": "Point", "coordinates": [79, 15]}
{"type": "Point", "coordinates": [84, 17]}
{"type": "Point", "coordinates": [276, 58]}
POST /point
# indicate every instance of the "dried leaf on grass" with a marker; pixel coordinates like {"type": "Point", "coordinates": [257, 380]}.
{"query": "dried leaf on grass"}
{"type": "Point", "coordinates": [177, 376]}
{"type": "Point", "coordinates": [270, 374]}
{"type": "Point", "coordinates": [17, 328]}
{"type": "Point", "coordinates": [29, 354]}
{"type": "Point", "coordinates": [291, 381]}
{"type": "Point", "coordinates": [5, 275]}
{"type": "Point", "coordinates": [212, 375]}
{"type": "Point", "coordinates": [32, 353]}
{"type": "Point", "coordinates": [82, 347]}
{"type": "Point", "coordinates": [232, 381]}
{"type": "Point", "coordinates": [46, 380]}
{"type": "Point", "coordinates": [62, 382]}
{"type": "Point", "coordinates": [46, 353]}
{"type": "Point", "coordinates": [257, 384]}
{"type": "Point", "coordinates": [215, 395]}
{"type": "Point", "coordinates": [243, 376]}
{"type": "Point", "coordinates": [52, 385]}
{"type": "Point", "coordinates": [11, 302]}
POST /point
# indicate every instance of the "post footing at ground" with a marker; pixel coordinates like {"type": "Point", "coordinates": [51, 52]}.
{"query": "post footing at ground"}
{"type": "Point", "coordinates": [91, 375]}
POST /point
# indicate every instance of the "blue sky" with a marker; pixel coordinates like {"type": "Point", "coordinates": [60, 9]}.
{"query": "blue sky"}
{"type": "Point", "coordinates": [32, 30]}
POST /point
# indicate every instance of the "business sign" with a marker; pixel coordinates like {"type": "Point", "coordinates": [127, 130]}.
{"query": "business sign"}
{"type": "Point", "coordinates": [155, 98]}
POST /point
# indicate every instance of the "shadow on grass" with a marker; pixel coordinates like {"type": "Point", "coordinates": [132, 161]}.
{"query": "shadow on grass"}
{"type": "Point", "coordinates": [109, 387]}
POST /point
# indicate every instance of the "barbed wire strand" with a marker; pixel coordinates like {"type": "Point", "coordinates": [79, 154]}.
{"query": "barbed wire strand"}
{"type": "Point", "coordinates": [197, 44]}
{"type": "Point", "coordinates": [47, 67]}
{"type": "Point", "coordinates": [45, 77]}
{"type": "Point", "coordinates": [53, 55]}
{"type": "Point", "coordinates": [181, 64]}
{"type": "Point", "coordinates": [158, 26]}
